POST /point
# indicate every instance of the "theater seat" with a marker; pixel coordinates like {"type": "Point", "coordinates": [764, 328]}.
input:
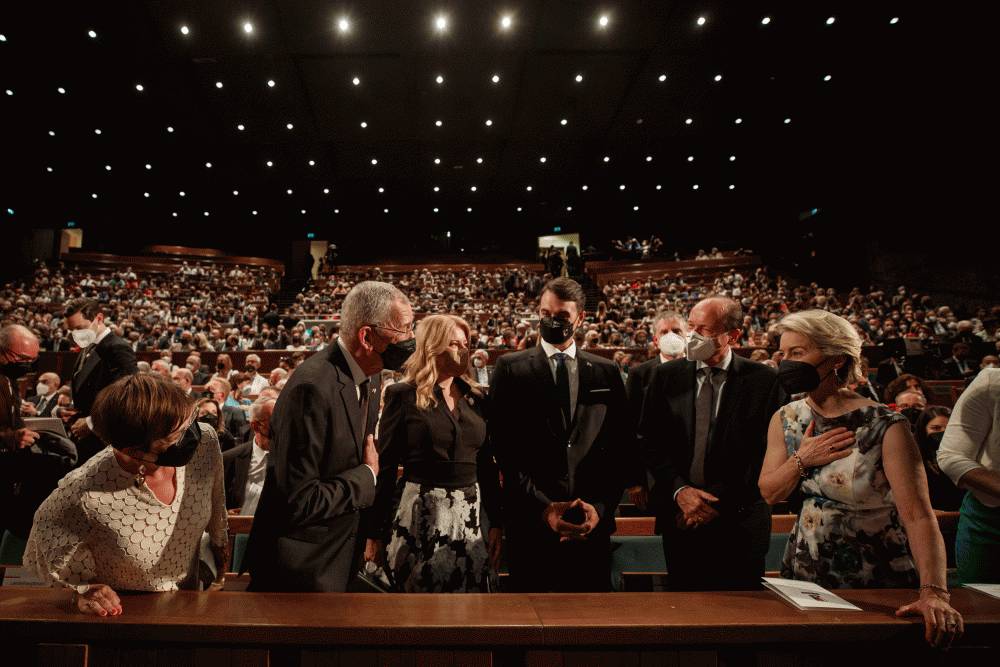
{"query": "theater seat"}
{"type": "Point", "coordinates": [239, 551]}
{"type": "Point", "coordinates": [635, 554]}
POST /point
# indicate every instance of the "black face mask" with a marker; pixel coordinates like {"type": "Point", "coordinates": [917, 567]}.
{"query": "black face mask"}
{"type": "Point", "coordinates": [181, 453]}
{"type": "Point", "coordinates": [555, 331]}
{"type": "Point", "coordinates": [17, 369]}
{"type": "Point", "coordinates": [911, 414]}
{"type": "Point", "coordinates": [798, 377]}
{"type": "Point", "coordinates": [208, 420]}
{"type": "Point", "coordinates": [221, 367]}
{"type": "Point", "coordinates": [396, 354]}
{"type": "Point", "coordinates": [929, 445]}
{"type": "Point", "coordinates": [250, 369]}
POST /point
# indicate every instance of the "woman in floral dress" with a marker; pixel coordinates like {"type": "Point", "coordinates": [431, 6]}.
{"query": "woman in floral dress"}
{"type": "Point", "coordinates": [866, 518]}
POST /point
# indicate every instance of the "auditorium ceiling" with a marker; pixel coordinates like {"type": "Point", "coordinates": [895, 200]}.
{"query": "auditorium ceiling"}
{"type": "Point", "coordinates": [329, 117]}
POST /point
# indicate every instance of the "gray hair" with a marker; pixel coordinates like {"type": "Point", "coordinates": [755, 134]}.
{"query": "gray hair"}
{"type": "Point", "coordinates": [12, 331]}
{"type": "Point", "coordinates": [368, 302]}
{"type": "Point", "coordinates": [257, 407]}
{"type": "Point", "coordinates": [669, 315]}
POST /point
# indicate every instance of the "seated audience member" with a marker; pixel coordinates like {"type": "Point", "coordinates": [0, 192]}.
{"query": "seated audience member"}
{"type": "Point", "coordinates": [246, 465]}
{"type": "Point", "coordinates": [970, 455]}
{"type": "Point", "coordinates": [433, 424]}
{"type": "Point", "coordinates": [183, 378]}
{"type": "Point", "coordinates": [223, 367]}
{"type": "Point", "coordinates": [143, 367]}
{"type": "Point", "coordinates": [161, 470]}
{"type": "Point", "coordinates": [242, 384]}
{"type": "Point", "coordinates": [910, 404]}
{"type": "Point", "coordinates": [257, 381]}
{"type": "Point", "coordinates": [866, 506]}
{"type": "Point", "coordinates": [928, 431]}
{"type": "Point", "coordinates": [905, 382]}
{"type": "Point", "coordinates": [958, 366]}
{"type": "Point", "coordinates": [276, 376]}
{"type": "Point", "coordinates": [207, 412]}
{"type": "Point", "coordinates": [234, 419]}
{"type": "Point", "coordinates": [990, 361]}
{"type": "Point", "coordinates": [270, 392]}
{"type": "Point", "coordinates": [193, 364]}
{"type": "Point", "coordinates": [161, 367]}
{"type": "Point", "coordinates": [45, 399]}
{"type": "Point", "coordinates": [482, 372]}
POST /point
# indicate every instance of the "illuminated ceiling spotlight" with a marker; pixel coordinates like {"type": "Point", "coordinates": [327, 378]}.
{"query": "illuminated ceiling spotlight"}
{"type": "Point", "coordinates": [688, 121]}
{"type": "Point", "coordinates": [289, 191]}
{"type": "Point", "coordinates": [107, 167]}
{"type": "Point", "coordinates": [437, 188]}
{"type": "Point", "coordinates": [827, 77]}
{"type": "Point", "coordinates": [208, 165]}
{"type": "Point", "coordinates": [248, 27]}
{"type": "Point", "coordinates": [479, 160]}
{"type": "Point", "coordinates": [661, 78]}
{"type": "Point", "coordinates": [694, 187]}
{"type": "Point", "coordinates": [506, 22]}
{"type": "Point", "coordinates": [543, 159]}
{"type": "Point", "coordinates": [381, 190]}
{"type": "Point", "coordinates": [738, 121]}
{"type": "Point", "coordinates": [364, 125]}
{"type": "Point", "coordinates": [148, 166]}
{"type": "Point", "coordinates": [649, 158]}
{"type": "Point", "coordinates": [312, 163]}
{"type": "Point", "coordinates": [607, 158]}
{"type": "Point", "coordinates": [718, 78]}
{"type": "Point", "coordinates": [635, 208]}
{"type": "Point", "coordinates": [140, 87]}
{"type": "Point", "coordinates": [831, 20]}
{"type": "Point", "coordinates": [146, 195]}
{"type": "Point", "coordinates": [61, 90]}
{"type": "Point", "coordinates": [489, 122]}
{"type": "Point", "coordinates": [701, 21]}
{"type": "Point", "coordinates": [690, 158]}
{"type": "Point", "coordinates": [766, 20]}
{"type": "Point", "coordinates": [93, 195]}
{"type": "Point", "coordinates": [894, 20]}
{"type": "Point", "coordinates": [326, 191]}
{"type": "Point", "coordinates": [236, 193]}
{"type": "Point", "coordinates": [269, 163]}
{"type": "Point", "coordinates": [90, 33]}
{"type": "Point", "coordinates": [472, 188]}
{"type": "Point", "coordinates": [495, 78]}
{"type": "Point", "coordinates": [270, 83]}
{"type": "Point", "coordinates": [439, 79]}
{"type": "Point", "coordinates": [98, 130]}
{"type": "Point", "coordinates": [732, 158]}
{"type": "Point", "coordinates": [603, 21]}
{"type": "Point", "coordinates": [787, 121]}
{"type": "Point", "coordinates": [240, 127]}
{"type": "Point", "coordinates": [441, 23]}
{"type": "Point", "coordinates": [732, 186]}
{"type": "Point", "coordinates": [289, 126]}
{"type": "Point", "coordinates": [205, 213]}
{"type": "Point", "coordinates": [343, 25]}
{"type": "Point", "coordinates": [437, 160]}
{"type": "Point", "coordinates": [621, 187]}
{"type": "Point", "coordinates": [584, 188]}
{"type": "Point", "coordinates": [185, 30]}
{"type": "Point", "coordinates": [563, 122]}
{"type": "Point", "coordinates": [356, 81]}
{"type": "Point", "coordinates": [438, 123]}
{"type": "Point", "coordinates": [528, 188]}
{"type": "Point", "coordinates": [569, 208]}
{"type": "Point", "coordinates": [578, 78]}
{"type": "Point", "coordinates": [374, 161]}
{"type": "Point", "coordinates": [218, 84]}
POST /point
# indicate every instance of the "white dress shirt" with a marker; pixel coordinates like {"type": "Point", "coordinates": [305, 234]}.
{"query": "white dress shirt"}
{"type": "Point", "coordinates": [571, 366]}
{"type": "Point", "coordinates": [255, 479]}
{"type": "Point", "coordinates": [972, 438]}
{"type": "Point", "coordinates": [358, 376]}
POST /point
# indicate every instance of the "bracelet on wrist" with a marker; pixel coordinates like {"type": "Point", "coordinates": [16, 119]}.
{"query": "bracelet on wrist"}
{"type": "Point", "coordinates": [802, 469]}
{"type": "Point", "coordinates": [940, 591]}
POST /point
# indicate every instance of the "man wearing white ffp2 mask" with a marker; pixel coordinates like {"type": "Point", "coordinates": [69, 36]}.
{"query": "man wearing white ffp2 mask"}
{"type": "Point", "coordinates": [672, 347]}
{"type": "Point", "coordinates": [45, 399]}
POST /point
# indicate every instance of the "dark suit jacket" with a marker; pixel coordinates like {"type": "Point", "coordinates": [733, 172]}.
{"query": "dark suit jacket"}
{"type": "Point", "coordinates": [543, 461]}
{"type": "Point", "coordinates": [47, 410]}
{"type": "Point", "coordinates": [635, 388]}
{"type": "Point", "coordinates": [236, 467]}
{"type": "Point", "coordinates": [951, 371]}
{"type": "Point", "coordinates": [750, 397]}
{"type": "Point", "coordinates": [235, 422]}
{"type": "Point", "coordinates": [305, 531]}
{"type": "Point", "coordinates": [112, 359]}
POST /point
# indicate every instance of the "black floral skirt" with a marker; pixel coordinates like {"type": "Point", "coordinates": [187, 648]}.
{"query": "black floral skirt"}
{"type": "Point", "coordinates": [437, 543]}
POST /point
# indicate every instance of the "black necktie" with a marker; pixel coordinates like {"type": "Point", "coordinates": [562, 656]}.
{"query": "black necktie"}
{"type": "Point", "coordinates": [363, 400]}
{"type": "Point", "coordinates": [562, 387]}
{"type": "Point", "coordinates": [703, 409]}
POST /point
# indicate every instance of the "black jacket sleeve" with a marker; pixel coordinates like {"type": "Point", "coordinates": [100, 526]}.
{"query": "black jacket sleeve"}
{"type": "Point", "coordinates": [635, 392]}
{"type": "Point", "coordinates": [656, 428]}
{"type": "Point", "coordinates": [392, 444]}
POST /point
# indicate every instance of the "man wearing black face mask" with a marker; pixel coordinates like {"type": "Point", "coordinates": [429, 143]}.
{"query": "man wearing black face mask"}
{"type": "Point", "coordinates": [323, 463]}
{"type": "Point", "coordinates": [18, 353]}
{"type": "Point", "coordinates": [562, 435]}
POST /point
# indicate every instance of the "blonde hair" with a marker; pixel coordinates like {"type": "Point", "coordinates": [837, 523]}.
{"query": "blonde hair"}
{"type": "Point", "coordinates": [832, 334]}
{"type": "Point", "coordinates": [434, 332]}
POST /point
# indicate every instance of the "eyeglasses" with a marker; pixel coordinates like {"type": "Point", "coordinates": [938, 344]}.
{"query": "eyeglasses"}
{"type": "Point", "coordinates": [412, 328]}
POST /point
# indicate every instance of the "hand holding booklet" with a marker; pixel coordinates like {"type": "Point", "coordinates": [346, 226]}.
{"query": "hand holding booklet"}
{"type": "Point", "coordinates": [806, 595]}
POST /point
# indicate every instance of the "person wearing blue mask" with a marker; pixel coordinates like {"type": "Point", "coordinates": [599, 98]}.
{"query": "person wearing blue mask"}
{"type": "Point", "coordinates": [866, 519]}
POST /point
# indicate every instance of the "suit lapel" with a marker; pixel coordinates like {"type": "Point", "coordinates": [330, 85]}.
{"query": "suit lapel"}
{"type": "Point", "coordinates": [349, 395]}
{"type": "Point", "coordinates": [543, 376]}
{"type": "Point", "coordinates": [727, 404]}
{"type": "Point", "coordinates": [88, 366]}
{"type": "Point", "coordinates": [684, 401]}
{"type": "Point", "coordinates": [579, 439]}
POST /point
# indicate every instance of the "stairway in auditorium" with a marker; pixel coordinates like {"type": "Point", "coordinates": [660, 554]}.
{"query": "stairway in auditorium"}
{"type": "Point", "coordinates": [593, 292]}
{"type": "Point", "coordinates": [285, 296]}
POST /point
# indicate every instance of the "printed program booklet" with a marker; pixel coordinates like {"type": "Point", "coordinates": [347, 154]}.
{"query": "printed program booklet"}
{"type": "Point", "coordinates": [992, 590]}
{"type": "Point", "coordinates": [807, 595]}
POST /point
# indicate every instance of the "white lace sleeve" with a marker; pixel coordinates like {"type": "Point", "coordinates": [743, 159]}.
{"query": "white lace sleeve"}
{"type": "Point", "coordinates": [218, 523]}
{"type": "Point", "coordinates": [57, 549]}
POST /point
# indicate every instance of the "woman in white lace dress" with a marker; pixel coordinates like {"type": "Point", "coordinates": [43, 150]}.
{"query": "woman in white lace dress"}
{"type": "Point", "coordinates": [132, 517]}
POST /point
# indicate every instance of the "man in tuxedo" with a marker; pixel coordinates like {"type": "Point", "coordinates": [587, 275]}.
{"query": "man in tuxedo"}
{"type": "Point", "coordinates": [41, 404]}
{"type": "Point", "coordinates": [245, 466]}
{"type": "Point", "coordinates": [667, 349]}
{"type": "Point", "coordinates": [958, 366]}
{"type": "Point", "coordinates": [323, 464]}
{"type": "Point", "coordinates": [103, 358]}
{"type": "Point", "coordinates": [560, 427]}
{"type": "Point", "coordinates": [703, 434]}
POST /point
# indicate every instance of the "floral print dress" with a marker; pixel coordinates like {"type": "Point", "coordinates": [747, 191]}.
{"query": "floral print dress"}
{"type": "Point", "coordinates": [848, 533]}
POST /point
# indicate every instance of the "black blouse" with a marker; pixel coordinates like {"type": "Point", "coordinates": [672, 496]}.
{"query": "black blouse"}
{"type": "Point", "coordinates": [436, 448]}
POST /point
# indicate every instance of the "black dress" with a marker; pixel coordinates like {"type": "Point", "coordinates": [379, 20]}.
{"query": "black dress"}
{"type": "Point", "coordinates": [436, 542]}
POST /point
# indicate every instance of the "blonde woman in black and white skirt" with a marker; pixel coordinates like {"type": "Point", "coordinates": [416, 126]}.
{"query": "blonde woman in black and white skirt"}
{"type": "Point", "coordinates": [433, 425]}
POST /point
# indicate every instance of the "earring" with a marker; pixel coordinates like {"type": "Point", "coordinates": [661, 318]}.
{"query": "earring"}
{"type": "Point", "coordinates": [140, 477]}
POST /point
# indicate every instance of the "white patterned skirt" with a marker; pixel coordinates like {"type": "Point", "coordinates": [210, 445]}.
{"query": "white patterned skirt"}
{"type": "Point", "coordinates": [437, 543]}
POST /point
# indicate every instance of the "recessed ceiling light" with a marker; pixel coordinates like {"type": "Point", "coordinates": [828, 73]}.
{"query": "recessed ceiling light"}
{"type": "Point", "coordinates": [621, 187]}
{"type": "Point", "coordinates": [269, 163]}
{"type": "Point", "coordinates": [603, 20]}
{"type": "Point", "coordinates": [437, 188]}
{"type": "Point", "coordinates": [337, 211]}
{"type": "Point", "coordinates": [247, 27]}
{"type": "Point", "coordinates": [441, 22]}
{"type": "Point", "coordinates": [690, 158]}
{"type": "Point", "coordinates": [381, 190]}
{"type": "Point", "coordinates": [718, 78]}
{"type": "Point", "coordinates": [3, 38]}
{"type": "Point", "coordinates": [584, 188]}
{"type": "Point", "coordinates": [563, 121]}
{"type": "Point", "coordinates": [438, 123]}
{"type": "Point", "coordinates": [385, 210]}
{"type": "Point", "coordinates": [435, 210]}
{"type": "Point", "coordinates": [363, 125]}
{"type": "Point", "coordinates": [662, 78]}
{"type": "Point", "coordinates": [52, 133]}
{"type": "Point", "coordinates": [208, 165]}
{"type": "Point", "coordinates": [289, 126]}
{"type": "Point", "coordinates": [468, 210]}
{"type": "Point", "coordinates": [489, 122]}
{"type": "Point", "coordinates": [831, 20]}
{"type": "Point", "coordinates": [732, 158]}
{"type": "Point", "coordinates": [894, 20]}
{"type": "Point", "coordinates": [766, 20]}
{"type": "Point", "coordinates": [312, 163]}
{"type": "Point", "coordinates": [326, 191]}
{"type": "Point", "coordinates": [240, 127]}
{"type": "Point", "coordinates": [635, 208]}
{"type": "Point", "coordinates": [356, 81]}
{"type": "Point", "coordinates": [732, 186]}
{"type": "Point", "coordinates": [578, 78]}
{"type": "Point", "coordinates": [270, 83]}
{"type": "Point", "coordinates": [343, 24]}
{"type": "Point", "coordinates": [519, 209]}
{"type": "Point", "coordinates": [495, 78]}
{"type": "Point", "coordinates": [701, 20]}
{"type": "Point", "coordinates": [694, 187]}
{"type": "Point", "coordinates": [827, 77]}
{"type": "Point", "coordinates": [9, 91]}
{"type": "Point", "coordinates": [437, 160]}
{"type": "Point", "coordinates": [98, 130]}
{"type": "Point", "coordinates": [253, 212]}
{"type": "Point", "coordinates": [479, 160]}
{"type": "Point", "coordinates": [48, 169]}
{"type": "Point", "coordinates": [140, 87]}
{"type": "Point", "coordinates": [205, 213]}
{"type": "Point", "coordinates": [61, 90]}
{"type": "Point", "coordinates": [374, 161]}
{"type": "Point", "coordinates": [506, 21]}
{"type": "Point", "coordinates": [528, 188]}
{"type": "Point", "coordinates": [543, 159]}
{"type": "Point", "coordinates": [738, 121]}
{"type": "Point", "coordinates": [107, 167]}
{"type": "Point", "coordinates": [173, 213]}
{"type": "Point", "coordinates": [787, 121]}
{"type": "Point", "coordinates": [236, 193]}
{"type": "Point", "coordinates": [148, 166]}
{"type": "Point", "coordinates": [439, 79]}
{"type": "Point", "coordinates": [146, 195]}
{"type": "Point", "coordinates": [303, 211]}
{"type": "Point", "coordinates": [472, 188]}
{"type": "Point", "coordinates": [607, 158]}
{"type": "Point", "coordinates": [93, 195]}
{"type": "Point", "coordinates": [688, 121]}
{"type": "Point", "coordinates": [659, 187]}
{"type": "Point", "coordinates": [218, 84]}
{"type": "Point", "coordinates": [182, 193]}
{"type": "Point", "coordinates": [170, 128]}
{"type": "Point", "coordinates": [649, 158]}
{"type": "Point", "coordinates": [289, 191]}
{"type": "Point", "coordinates": [185, 30]}
{"type": "Point", "coordinates": [92, 34]}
